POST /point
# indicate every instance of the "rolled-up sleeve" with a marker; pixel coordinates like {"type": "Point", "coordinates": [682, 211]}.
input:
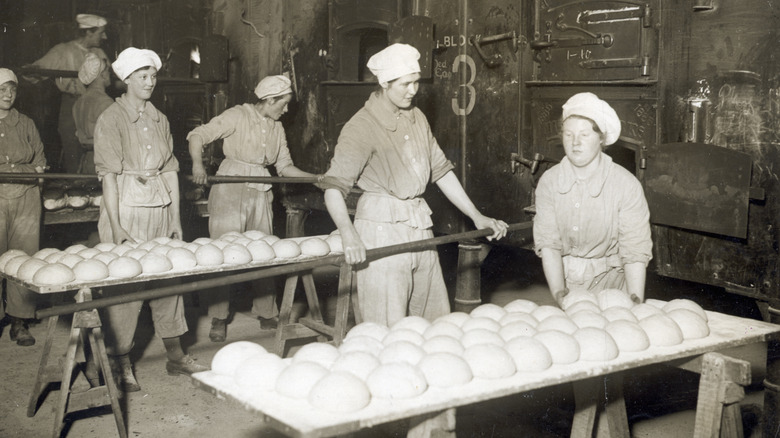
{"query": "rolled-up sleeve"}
{"type": "Point", "coordinates": [440, 165]}
{"type": "Point", "coordinates": [283, 159]}
{"type": "Point", "coordinates": [546, 234]}
{"type": "Point", "coordinates": [221, 126]}
{"type": "Point", "coordinates": [350, 157]}
{"type": "Point", "coordinates": [634, 239]}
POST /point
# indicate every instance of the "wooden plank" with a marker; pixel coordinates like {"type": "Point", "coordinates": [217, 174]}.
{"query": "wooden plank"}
{"type": "Point", "coordinates": [726, 331]}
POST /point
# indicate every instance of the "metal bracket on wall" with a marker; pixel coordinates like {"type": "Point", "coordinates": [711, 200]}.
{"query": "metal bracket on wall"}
{"type": "Point", "coordinates": [493, 61]}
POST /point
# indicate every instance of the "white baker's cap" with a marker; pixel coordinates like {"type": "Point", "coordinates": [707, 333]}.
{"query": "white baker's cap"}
{"type": "Point", "coordinates": [394, 61]}
{"type": "Point", "coordinates": [7, 75]}
{"type": "Point", "coordinates": [131, 59]}
{"type": "Point", "coordinates": [273, 86]}
{"type": "Point", "coordinates": [589, 105]}
{"type": "Point", "coordinates": [87, 21]}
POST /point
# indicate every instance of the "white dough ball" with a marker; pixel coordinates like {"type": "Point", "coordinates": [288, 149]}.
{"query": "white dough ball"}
{"type": "Point", "coordinates": [209, 255]}
{"type": "Point", "coordinates": [596, 344]}
{"type": "Point", "coordinates": [317, 352]}
{"type": "Point", "coordinates": [489, 361]}
{"type": "Point", "coordinates": [560, 323]}
{"type": "Point", "coordinates": [481, 336]}
{"type": "Point", "coordinates": [401, 351]}
{"type": "Point", "coordinates": [481, 323]}
{"type": "Point", "coordinates": [229, 357]}
{"type": "Point", "coordinates": [90, 270]}
{"type": "Point", "coordinates": [445, 370]}
{"type": "Point", "coordinates": [259, 371]}
{"type": "Point", "coordinates": [368, 328]}
{"type": "Point", "coordinates": [396, 380]}
{"type": "Point", "coordinates": [403, 334]}
{"type": "Point", "coordinates": [443, 328]}
{"type": "Point", "coordinates": [682, 303]}
{"type": "Point", "coordinates": [614, 298]}
{"type": "Point", "coordinates": [457, 318]}
{"type": "Point", "coordinates": [489, 310]}
{"type": "Point", "coordinates": [286, 249]}
{"type": "Point", "coordinates": [416, 323]}
{"type": "Point", "coordinates": [314, 247]}
{"type": "Point", "coordinates": [529, 354]}
{"type": "Point", "coordinates": [13, 265]}
{"type": "Point", "coordinates": [661, 330]}
{"type": "Point", "coordinates": [516, 329]}
{"type": "Point", "coordinates": [42, 253]}
{"type": "Point", "coordinates": [340, 392]}
{"type": "Point", "coordinates": [125, 267]}
{"type": "Point", "coordinates": [692, 325]}
{"type": "Point", "coordinates": [586, 318]}
{"type": "Point", "coordinates": [443, 344]}
{"type": "Point", "coordinates": [261, 251]}
{"type": "Point", "coordinates": [182, 259]}
{"type": "Point", "coordinates": [520, 305]}
{"type": "Point", "coordinates": [629, 336]}
{"type": "Point", "coordinates": [298, 379]}
{"type": "Point", "coordinates": [362, 343]}
{"type": "Point", "coordinates": [563, 347]}
{"type": "Point", "coordinates": [153, 263]}
{"type": "Point", "coordinates": [359, 363]}
{"type": "Point", "coordinates": [235, 254]}
{"type": "Point", "coordinates": [53, 274]}
{"type": "Point", "coordinates": [28, 269]}
{"type": "Point", "coordinates": [545, 311]}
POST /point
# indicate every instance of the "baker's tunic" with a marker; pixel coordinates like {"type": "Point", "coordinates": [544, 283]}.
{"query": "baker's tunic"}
{"type": "Point", "coordinates": [21, 151]}
{"type": "Point", "coordinates": [86, 111]}
{"type": "Point", "coordinates": [68, 56]}
{"type": "Point", "coordinates": [250, 143]}
{"type": "Point", "coordinates": [392, 157]}
{"type": "Point", "coordinates": [598, 224]}
{"type": "Point", "coordinates": [138, 148]}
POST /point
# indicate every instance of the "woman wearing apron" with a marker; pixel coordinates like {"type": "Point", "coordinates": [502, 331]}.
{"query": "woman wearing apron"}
{"type": "Point", "coordinates": [387, 148]}
{"type": "Point", "coordinates": [134, 158]}
{"type": "Point", "coordinates": [592, 226]}
{"type": "Point", "coordinates": [254, 139]}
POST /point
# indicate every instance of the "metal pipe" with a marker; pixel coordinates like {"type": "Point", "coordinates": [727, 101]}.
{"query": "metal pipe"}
{"type": "Point", "coordinates": [371, 254]}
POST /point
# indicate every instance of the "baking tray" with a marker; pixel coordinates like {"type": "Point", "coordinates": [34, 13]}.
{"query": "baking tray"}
{"type": "Point", "coordinates": [297, 418]}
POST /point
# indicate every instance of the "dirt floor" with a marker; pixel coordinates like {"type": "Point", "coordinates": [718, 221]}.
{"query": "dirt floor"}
{"type": "Point", "coordinates": [660, 400]}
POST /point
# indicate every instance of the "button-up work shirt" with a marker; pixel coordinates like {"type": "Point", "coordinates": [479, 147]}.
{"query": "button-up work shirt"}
{"type": "Point", "coordinates": [603, 216]}
{"type": "Point", "coordinates": [21, 151]}
{"type": "Point", "coordinates": [250, 142]}
{"type": "Point", "coordinates": [68, 56]}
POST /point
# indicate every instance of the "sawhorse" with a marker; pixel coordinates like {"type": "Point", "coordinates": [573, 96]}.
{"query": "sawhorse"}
{"type": "Point", "coordinates": [721, 388]}
{"type": "Point", "coordinates": [86, 324]}
{"type": "Point", "coordinates": [314, 325]}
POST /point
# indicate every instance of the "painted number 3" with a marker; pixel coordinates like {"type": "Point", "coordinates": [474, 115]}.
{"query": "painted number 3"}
{"type": "Point", "coordinates": [467, 88]}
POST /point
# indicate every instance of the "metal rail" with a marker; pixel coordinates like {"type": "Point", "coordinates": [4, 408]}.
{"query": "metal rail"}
{"type": "Point", "coordinates": [371, 254]}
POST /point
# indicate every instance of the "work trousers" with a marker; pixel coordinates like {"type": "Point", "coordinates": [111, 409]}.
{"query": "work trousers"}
{"type": "Point", "coordinates": [20, 228]}
{"type": "Point", "coordinates": [393, 287]}
{"type": "Point", "coordinates": [238, 207]}
{"type": "Point", "coordinates": [70, 154]}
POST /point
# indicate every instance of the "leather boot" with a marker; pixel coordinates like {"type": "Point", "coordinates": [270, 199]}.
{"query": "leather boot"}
{"type": "Point", "coordinates": [218, 331]}
{"type": "Point", "coordinates": [20, 332]}
{"type": "Point", "coordinates": [185, 366]}
{"type": "Point", "coordinates": [122, 370]}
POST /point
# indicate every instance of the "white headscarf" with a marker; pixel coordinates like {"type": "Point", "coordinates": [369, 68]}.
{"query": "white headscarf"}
{"type": "Point", "coordinates": [273, 86]}
{"type": "Point", "coordinates": [87, 21]}
{"type": "Point", "coordinates": [131, 59]}
{"type": "Point", "coordinates": [7, 76]}
{"type": "Point", "coordinates": [394, 61]}
{"type": "Point", "coordinates": [590, 106]}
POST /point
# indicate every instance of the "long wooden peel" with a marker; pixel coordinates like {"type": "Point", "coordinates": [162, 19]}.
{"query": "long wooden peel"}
{"type": "Point", "coordinates": [336, 259]}
{"type": "Point", "coordinates": [211, 179]}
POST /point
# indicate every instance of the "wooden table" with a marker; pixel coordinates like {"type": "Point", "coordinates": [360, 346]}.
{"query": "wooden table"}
{"type": "Point", "coordinates": [297, 418]}
{"type": "Point", "coordinates": [86, 333]}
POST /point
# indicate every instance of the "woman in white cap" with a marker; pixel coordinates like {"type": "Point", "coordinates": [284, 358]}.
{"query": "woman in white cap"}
{"type": "Point", "coordinates": [253, 139]}
{"type": "Point", "coordinates": [591, 227]}
{"type": "Point", "coordinates": [134, 157]}
{"type": "Point", "coordinates": [21, 150]}
{"type": "Point", "coordinates": [94, 74]}
{"type": "Point", "coordinates": [387, 148]}
{"type": "Point", "coordinates": [70, 56]}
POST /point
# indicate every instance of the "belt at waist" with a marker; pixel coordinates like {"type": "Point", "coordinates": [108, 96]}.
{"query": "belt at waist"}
{"type": "Point", "coordinates": [579, 270]}
{"type": "Point", "coordinates": [383, 207]}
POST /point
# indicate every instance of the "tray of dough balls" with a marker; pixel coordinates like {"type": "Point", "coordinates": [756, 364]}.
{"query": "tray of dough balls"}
{"type": "Point", "coordinates": [380, 374]}
{"type": "Point", "coordinates": [53, 270]}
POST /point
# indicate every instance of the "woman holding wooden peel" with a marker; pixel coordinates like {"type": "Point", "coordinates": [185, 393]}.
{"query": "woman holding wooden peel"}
{"type": "Point", "coordinates": [253, 139]}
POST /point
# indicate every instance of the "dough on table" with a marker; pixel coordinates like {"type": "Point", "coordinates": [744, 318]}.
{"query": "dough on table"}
{"type": "Point", "coordinates": [317, 352]}
{"type": "Point", "coordinates": [563, 347]}
{"type": "Point", "coordinates": [182, 259]}
{"type": "Point", "coordinates": [340, 392]}
{"type": "Point", "coordinates": [43, 253]}
{"type": "Point", "coordinates": [520, 305]}
{"type": "Point", "coordinates": [361, 343]}
{"type": "Point", "coordinates": [586, 318]}
{"type": "Point", "coordinates": [575, 297]}
{"type": "Point", "coordinates": [261, 251]}
{"type": "Point", "coordinates": [70, 260]}
{"type": "Point", "coordinates": [8, 255]}
{"type": "Point", "coordinates": [643, 310]}
{"type": "Point", "coordinates": [584, 305]}
{"type": "Point", "coordinates": [489, 310]}
{"type": "Point", "coordinates": [457, 318]}
{"type": "Point", "coordinates": [489, 361]}
{"type": "Point", "coordinates": [516, 329]}
{"type": "Point", "coordinates": [511, 317]}
{"type": "Point", "coordinates": [443, 344]}
{"type": "Point", "coordinates": [53, 274]}
{"type": "Point", "coordinates": [286, 249]}
{"type": "Point", "coordinates": [596, 344]}
{"type": "Point", "coordinates": [136, 253]}
{"type": "Point", "coordinates": [481, 322]}
{"type": "Point", "coordinates": [445, 370]}
{"type": "Point", "coordinates": [228, 358]}
{"type": "Point", "coordinates": [209, 255]}
{"type": "Point", "coordinates": [105, 257]}
{"type": "Point", "coordinates": [404, 334]}
{"type": "Point", "coordinates": [368, 328]}
{"type": "Point", "coordinates": [153, 263]}
{"type": "Point", "coordinates": [614, 298]}
{"type": "Point", "coordinates": [124, 267]}
{"type": "Point", "coordinates": [443, 328]}
{"type": "Point", "coordinates": [121, 249]}
{"type": "Point", "coordinates": [416, 323]}
{"type": "Point", "coordinates": [556, 322]}
{"type": "Point", "coordinates": [298, 379]}
{"type": "Point", "coordinates": [90, 270]}
{"type": "Point", "coordinates": [254, 234]}
{"type": "Point", "coordinates": [682, 303]}
{"type": "Point", "coordinates": [75, 249]}
{"type": "Point", "coordinates": [529, 354]}
{"type": "Point", "coordinates": [148, 245]}
{"type": "Point", "coordinates": [481, 336]}
{"type": "Point", "coordinates": [259, 371]}
{"type": "Point", "coordinates": [89, 253]}
{"type": "Point", "coordinates": [314, 246]}
{"type": "Point", "coordinates": [545, 311]}
{"type": "Point", "coordinates": [235, 254]}
{"type": "Point", "coordinates": [162, 240]}
{"type": "Point", "coordinates": [661, 330]}
{"type": "Point", "coordinates": [28, 269]}
{"type": "Point", "coordinates": [615, 313]}
{"type": "Point", "coordinates": [692, 325]}
{"type": "Point", "coordinates": [359, 363]}
{"type": "Point", "coordinates": [334, 243]}
{"type": "Point", "coordinates": [401, 351]}
{"type": "Point", "coordinates": [628, 336]}
{"type": "Point", "coordinates": [12, 266]}
{"type": "Point", "coordinates": [161, 249]}
{"type": "Point", "coordinates": [396, 380]}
